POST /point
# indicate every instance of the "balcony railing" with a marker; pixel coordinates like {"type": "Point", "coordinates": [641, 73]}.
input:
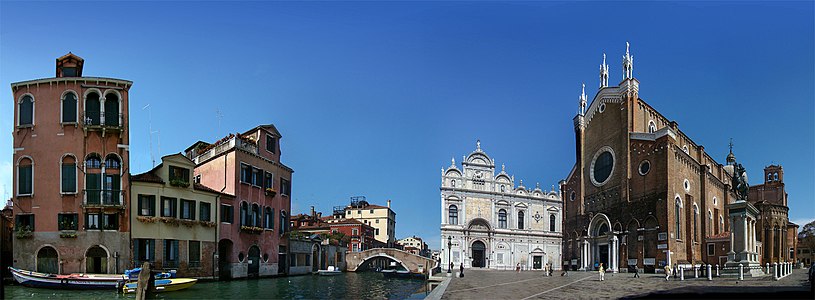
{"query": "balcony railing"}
{"type": "Point", "coordinates": [95, 119]}
{"type": "Point", "coordinates": [234, 142]}
{"type": "Point", "coordinates": [103, 198]}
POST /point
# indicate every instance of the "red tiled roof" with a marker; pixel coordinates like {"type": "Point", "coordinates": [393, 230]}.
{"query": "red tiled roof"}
{"type": "Point", "coordinates": [148, 176]}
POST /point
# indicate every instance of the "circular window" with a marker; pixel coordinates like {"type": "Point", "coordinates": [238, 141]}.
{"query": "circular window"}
{"type": "Point", "coordinates": [602, 165]}
{"type": "Point", "coordinates": [572, 196]}
{"type": "Point", "coordinates": [266, 257]}
{"type": "Point", "coordinates": [645, 166]}
{"type": "Point", "coordinates": [602, 107]}
{"type": "Point", "coordinates": [240, 256]}
{"type": "Point", "coordinates": [687, 185]}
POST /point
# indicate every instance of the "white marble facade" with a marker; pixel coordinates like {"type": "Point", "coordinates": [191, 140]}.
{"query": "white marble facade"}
{"type": "Point", "coordinates": [492, 223]}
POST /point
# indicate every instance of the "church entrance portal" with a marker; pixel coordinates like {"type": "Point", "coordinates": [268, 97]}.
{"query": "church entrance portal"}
{"type": "Point", "coordinates": [478, 254]}
{"type": "Point", "coordinates": [603, 253]}
{"type": "Point", "coordinates": [536, 262]}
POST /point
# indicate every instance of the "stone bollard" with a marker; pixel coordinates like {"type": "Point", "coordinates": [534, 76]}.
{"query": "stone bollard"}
{"type": "Point", "coordinates": [681, 273]}
{"type": "Point", "coordinates": [717, 270]}
{"type": "Point", "coordinates": [709, 275]}
{"type": "Point", "coordinates": [768, 269]}
{"type": "Point", "coordinates": [695, 272]}
{"type": "Point", "coordinates": [741, 272]}
{"type": "Point", "coordinates": [775, 271]}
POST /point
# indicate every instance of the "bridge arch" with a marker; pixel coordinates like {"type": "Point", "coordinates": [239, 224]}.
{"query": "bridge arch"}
{"type": "Point", "coordinates": [409, 261]}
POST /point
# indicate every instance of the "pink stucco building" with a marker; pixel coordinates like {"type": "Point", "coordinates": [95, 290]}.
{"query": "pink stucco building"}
{"type": "Point", "coordinates": [71, 144]}
{"type": "Point", "coordinates": [252, 227]}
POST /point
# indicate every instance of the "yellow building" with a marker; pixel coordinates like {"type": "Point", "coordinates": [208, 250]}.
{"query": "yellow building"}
{"type": "Point", "coordinates": [381, 218]}
{"type": "Point", "coordinates": [174, 224]}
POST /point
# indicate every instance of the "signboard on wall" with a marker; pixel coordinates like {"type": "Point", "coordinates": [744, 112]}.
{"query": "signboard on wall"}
{"type": "Point", "coordinates": [662, 246]}
{"type": "Point", "coordinates": [649, 261]}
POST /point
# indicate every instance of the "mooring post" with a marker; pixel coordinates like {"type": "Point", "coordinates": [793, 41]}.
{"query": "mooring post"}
{"type": "Point", "coordinates": [145, 287]}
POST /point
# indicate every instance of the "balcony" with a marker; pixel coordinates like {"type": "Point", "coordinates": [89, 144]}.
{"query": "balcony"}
{"type": "Point", "coordinates": [103, 198]}
{"type": "Point", "coordinates": [94, 120]}
{"type": "Point", "coordinates": [234, 142]}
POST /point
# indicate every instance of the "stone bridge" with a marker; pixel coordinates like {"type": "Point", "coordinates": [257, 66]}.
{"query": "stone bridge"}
{"type": "Point", "coordinates": [409, 261]}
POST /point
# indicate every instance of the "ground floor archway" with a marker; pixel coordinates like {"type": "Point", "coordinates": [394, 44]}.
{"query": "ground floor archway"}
{"type": "Point", "coordinates": [479, 251]}
{"type": "Point", "coordinates": [224, 258]}
{"type": "Point", "coordinates": [96, 260]}
{"type": "Point", "coordinates": [48, 260]}
{"type": "Point", "coordinates": [254, 261]}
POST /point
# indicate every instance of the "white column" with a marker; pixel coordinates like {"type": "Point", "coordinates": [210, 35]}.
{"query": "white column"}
{"type": "Point", "coordinates": [616, 261]}
{"type": "Point", "coordinates": [668, 253]}
{"type": "Point", "coordinates": [744, 221]}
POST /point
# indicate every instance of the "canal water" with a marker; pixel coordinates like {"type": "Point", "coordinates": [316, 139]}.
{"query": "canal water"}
{"type": "Point", "coordinates": [363, 285]}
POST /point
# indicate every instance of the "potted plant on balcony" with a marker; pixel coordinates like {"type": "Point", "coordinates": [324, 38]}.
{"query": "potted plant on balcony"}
{"type": "Point", "coordinates": [270, 191]}
{"type": "Point", "coordinates": [24, 232]}
{"type": "Point", "coordinates": [146, 219]}
{"type": "Point", "coordinates": [68, 234]}
{"type": "Point", "coordinates": [179, 183]}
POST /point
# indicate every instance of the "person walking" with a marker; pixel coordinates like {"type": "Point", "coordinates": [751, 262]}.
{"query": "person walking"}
{"type": "Point", "coordinates": [667, 272]}
{"type": "Point", "coordinates": [461, 268]}
{"type": "Point", "coordinates": [518, 267]}
{"type": "Point", "coordinates": [602, 272]}
{"type": "Point", "coordinates": [636, 272]}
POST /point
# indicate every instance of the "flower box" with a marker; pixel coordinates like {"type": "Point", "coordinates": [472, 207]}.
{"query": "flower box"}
{"type": "Point", "coordinates": [146, 219]}
{"type": "Point", "coordinates": [68, 235]}
{"type": "Point", "coordinates": [24, 233]}
{"type": "Point", "coordinates": [252, 229]}
{"type": "Point", "coordinates": [270, 192]}
{"type": "Point", "coordinates": [207, 223]}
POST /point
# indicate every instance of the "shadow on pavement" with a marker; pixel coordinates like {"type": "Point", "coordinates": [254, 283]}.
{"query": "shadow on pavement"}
{"type": "Point", "coordinates": [730, 293]}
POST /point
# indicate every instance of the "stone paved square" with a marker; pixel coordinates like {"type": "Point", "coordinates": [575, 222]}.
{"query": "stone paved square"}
{"type": "Point", "coordinates": [491, 284]}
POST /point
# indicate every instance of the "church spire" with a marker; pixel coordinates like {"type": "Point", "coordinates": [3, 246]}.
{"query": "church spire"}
{"type": "Point", "coordinates": [583, 101]}
{"type": "Point", "coordinates": [604, 73]}
{"type": "Point", "coordinates": [628, 64]}
{"type": "Point", "coordinates": [731, 158]}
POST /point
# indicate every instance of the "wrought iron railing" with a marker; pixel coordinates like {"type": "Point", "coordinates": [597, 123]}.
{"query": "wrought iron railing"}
{"type": "Point", "coordinates": [95, 119]}
{"type": "Point", "coordinates": [103, 197]}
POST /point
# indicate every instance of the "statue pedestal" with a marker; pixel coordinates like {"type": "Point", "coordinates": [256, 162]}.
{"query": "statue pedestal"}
{"type": "Point", "coordinates": [742, 241]}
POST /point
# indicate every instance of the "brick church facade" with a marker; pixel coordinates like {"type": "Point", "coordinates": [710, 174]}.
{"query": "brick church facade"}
{"type": "Point", "coordinates": [642, 193]}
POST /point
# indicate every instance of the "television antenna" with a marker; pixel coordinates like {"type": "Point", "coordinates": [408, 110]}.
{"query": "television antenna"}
{"type": "Point", "coordinates": [150, 132]}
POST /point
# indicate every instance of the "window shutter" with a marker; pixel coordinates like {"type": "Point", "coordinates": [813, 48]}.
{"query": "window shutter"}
{"type": "Point", "coordinates": [152, 203]}
{"type": "Point", "coordinates": [136, 244]}
{"type": "Point", "coordinates": [141, 199]}
{"type": "Point", "coordinates": [69, 178]}
{"type": "Point", "coordinates": [192, 210]}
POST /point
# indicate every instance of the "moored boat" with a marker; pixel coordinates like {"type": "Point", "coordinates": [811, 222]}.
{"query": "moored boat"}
{"type": "Point", "coordinates": [71, 281]}
{"type": "Point", "coordinates": [164, 285]}
{"type": "Point", "coordinates": [331, 271]}
{"type": "Point", "coordinates": [396, 273]}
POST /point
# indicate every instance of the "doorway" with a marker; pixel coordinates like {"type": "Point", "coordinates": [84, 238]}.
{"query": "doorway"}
{"type": "Point", "coordinates": [47, 259]}
{"type": "Point", "coordinates": [603, 253]}
{"type": "Point", "coordinates": [96, 260]}
{"type": "Point", "coordinates": [478, 254]}
{"type": "Point", "coordinates": [254, 261]}
{"type": "Point", "coordinates": [536, 262]}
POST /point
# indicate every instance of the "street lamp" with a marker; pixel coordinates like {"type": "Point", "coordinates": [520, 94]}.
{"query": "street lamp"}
{"type": "Point", "coordinates": [449, 255]}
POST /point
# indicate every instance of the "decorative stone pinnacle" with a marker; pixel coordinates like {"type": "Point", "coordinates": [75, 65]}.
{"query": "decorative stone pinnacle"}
{"type": "Point", "coordinates": [453, 161]}
{"type": "Point", "coordinates": [478, 145]}
{"type": "Point", "coordinates": [503, 168]}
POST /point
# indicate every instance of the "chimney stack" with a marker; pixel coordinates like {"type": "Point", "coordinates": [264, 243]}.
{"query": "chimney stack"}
{"type": "Point", "coordinates": [312, 211]}
{"type": "Point", "coordinates": [389, 203]}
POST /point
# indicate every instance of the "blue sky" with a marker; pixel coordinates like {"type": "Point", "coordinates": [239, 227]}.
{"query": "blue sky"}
{"type": "Point", "coordinates": [375, 98]}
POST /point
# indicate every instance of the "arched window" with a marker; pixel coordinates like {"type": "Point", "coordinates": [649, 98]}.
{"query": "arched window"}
{"type": "Point", "coordinates": [502, 218]}
{"type": "Point", "coordinates": [111, 109]}
{"type": "Point", "coordinates": [93, 161]}
{"type": "Point", "coordinates": [709, 223]}
{"type": "Point", "coordinates": [652, 127]}
{"type": "Point", "coordinates": [552, 222]}
{"type": "Point", "coordinates": [769, 176]}
{"type": "Point", "coordinates": [452, 215]}
{"type": "Point", "coordinates": [25, 177]}
{"type": "Point", "coordinates": [93, 109]}
{"type": "Point", "coordinates": [283, 221]}
{"type": "Point", "coordinates": [775, 176]}
{"type": "Point", "coordinates": [26, 111]}
{"type": "Point", "coordinates": [520, 219]}
{"type": "Point", "coordinates": [256, 215]}
{"type": "Point", "coordinates": [453, 183]}
{"type": "Point", "coordinates": [112, 162]}
{"type": "Point", "coordinates": [244, 214]}
{"type": "Point", "coordinates": [678, 218]}
{"type": "Point", "coordinates": [721, 224]}
{"type": "Point", "coordinates": [68, 175]}
{"type": "Point", "coordinates": [695, 221]}
{"type": "Point", "coordinates": [502, 188]}
{"type": "Point", "coordinates": [69, 108]}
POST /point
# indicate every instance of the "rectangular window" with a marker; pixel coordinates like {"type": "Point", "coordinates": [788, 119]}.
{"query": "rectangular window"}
{"type": "Point", "coordinates": [25, 222]}
{"type": "Point", "coordinates": [147, 205]}
{"type": "Point", "coordinates": [111, 222]}
{"type": "Point", "coordinates": [194, 251]}
{"type": "Point", "coordinates": [69, 108]}
{"type": "Point", "coordinates": [354, 232]}
{"type": "Point", "coordinates": [69, 72]}
{"type": "Point", "coordinates": [285, 187]}
{"type": "Point", "coordinates": [179, 176]}
{"type": "Point", "coordinates": [188, 209]}
{"type": "Point", "coordinates": [168, 207]}
{"type": "Point", "coordinates": [227, 214]}
{"type": "Point", "coordinates": [92, 221]}
{"type": "Point", "coordinates": [112, 191]}
{"type": "Point", "coordinates": [170, 254]}
{"type": "Point", "coordinates": [257, 177]}
{"type": "Point", "coordinates": [354, 248]}
{"type": "Point", "coordinates": [69, 178]}
{"type": "Point", "coordinates": [271, 143]}
{"type": "Point", "coordinates": [269, 181]}
{"type": "Point", "coordinates": [246, 173]}
{"type": "Point", "coordinates": [24, 180]}
{"type": "Point", "coordinates": [711, 249]}
{"type": "Point", "coordinates": [144, 250]}
{"type": "Point", "coordinates": [269, 218]}
{"type": "Point", "coordinates": [205, 212]}
{"type": "Point", "coordinates": [68, 221]}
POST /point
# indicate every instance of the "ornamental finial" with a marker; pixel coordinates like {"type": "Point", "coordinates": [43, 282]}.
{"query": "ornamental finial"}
{"type": "Point", "coordinates": [453, 161]}
{"type": "Point", "coordinates": [604, 73]}
{"type": "Point", "coordinates": [628, 64]}
{"type": "Point", "coordinates": [503, 168]}
{"type": "Point", "coordinates": [478, 145]}
{"type": "Point", "coordinates": [583, 100]}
